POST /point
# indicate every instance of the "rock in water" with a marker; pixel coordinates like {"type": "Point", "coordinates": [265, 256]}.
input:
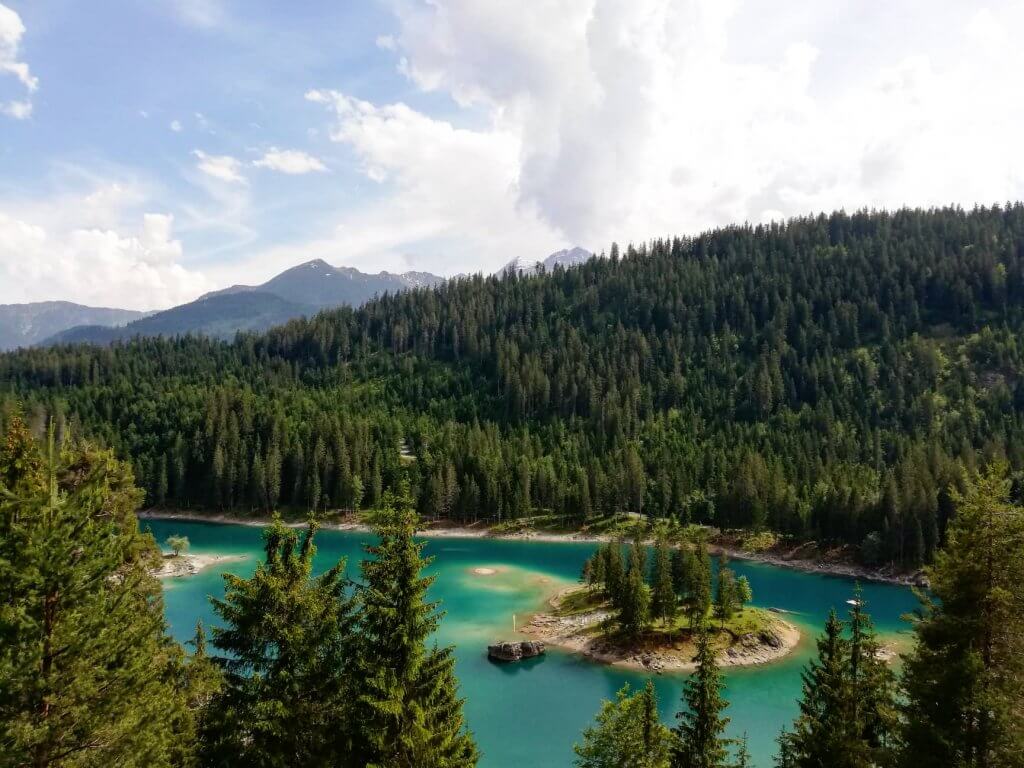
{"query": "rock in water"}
{"type": "Point", "coordinates": [515, 651]}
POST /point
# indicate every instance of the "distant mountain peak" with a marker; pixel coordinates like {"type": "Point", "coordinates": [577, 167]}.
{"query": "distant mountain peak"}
{"type": "Point", "coordinates": [302, 290]}
{"type": "Point", "coordinates": [567, 257]}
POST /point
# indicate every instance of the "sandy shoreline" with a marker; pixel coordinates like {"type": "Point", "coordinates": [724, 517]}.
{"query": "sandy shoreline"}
{"type": "Point", "coordinates": [177, 566]}
{"type": "Point", "coordinates": [844, 570]}
{"type": "Point", "coordinates": [577, 634]}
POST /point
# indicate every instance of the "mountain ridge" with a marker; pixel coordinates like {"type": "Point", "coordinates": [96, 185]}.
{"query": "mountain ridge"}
{"type": "Point", "coordinates": [28, 323]}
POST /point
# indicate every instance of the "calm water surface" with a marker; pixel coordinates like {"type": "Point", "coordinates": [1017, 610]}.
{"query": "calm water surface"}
{"type": "Point", "coordinates": [530, 714]}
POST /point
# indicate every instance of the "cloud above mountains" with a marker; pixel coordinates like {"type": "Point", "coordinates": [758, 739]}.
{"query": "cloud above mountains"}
{"type": "Point", "coordinates": [11, 32]}
{"type": "Point", "coordinates": [461, 134]}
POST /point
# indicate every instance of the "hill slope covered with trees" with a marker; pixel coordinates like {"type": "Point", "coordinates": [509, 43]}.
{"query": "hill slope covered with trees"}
{"type": "Point", "coordinates": [829, 377]}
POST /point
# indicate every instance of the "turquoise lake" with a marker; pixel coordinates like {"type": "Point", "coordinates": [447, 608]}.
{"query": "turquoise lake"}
{"type": "Point", "coordinates": [531, 714]}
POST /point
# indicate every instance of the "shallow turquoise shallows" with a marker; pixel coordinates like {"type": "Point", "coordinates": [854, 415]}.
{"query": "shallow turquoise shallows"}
{"type": "Point", "coordinates": [530, 714]}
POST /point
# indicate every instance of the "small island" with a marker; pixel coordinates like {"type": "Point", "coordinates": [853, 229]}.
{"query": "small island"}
{"type": "Point", "coordinates": [178, 562]}
{"type": "Point", "coordinates": [630, 616]}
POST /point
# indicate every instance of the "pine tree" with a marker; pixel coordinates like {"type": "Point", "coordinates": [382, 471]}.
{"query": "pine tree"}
{"type": "Point", "coordinates": [634, 602]}
{"type": "Point", "coordinates": [288, 653]}
{"type": "Point", "coordinates": [663, 597]}
{"type": "Point", "coordinates": [627, 733]}
{"type": "Point", "coordinates": [88, 676]}
{"type": "Point", "coordinates": [743, 758]}
{"type": "Point", "coordinates": [961, 683]}
{"type": "Point", "coordinates": [873, 687]}
{"type": "Point", "coordinates": [725, 595]}
{"type": "Point", "coordinates": [614, 571]}
{"type": "Point", "coordinates": [824, 733]}
{"type": "Point", "coordinates": [409, 712]}
{"type": "Point", "coordinates": [681, 566]}
{"type": "Point", "coordinates": [699, 739]}
{"type": "Point", "coordinates": [699, 588]}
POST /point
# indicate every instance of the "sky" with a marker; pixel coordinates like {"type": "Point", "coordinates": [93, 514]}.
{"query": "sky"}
{"type": "Point", "coordinates": [153, 150]}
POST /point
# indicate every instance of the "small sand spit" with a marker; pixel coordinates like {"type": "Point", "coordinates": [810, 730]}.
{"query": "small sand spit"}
{"type": "Point", "coordinates": [577, 633]}
{"type": "Point", "coordinates": [189, 565]}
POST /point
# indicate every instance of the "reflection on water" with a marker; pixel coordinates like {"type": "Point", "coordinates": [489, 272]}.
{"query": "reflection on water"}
{"type": "Point", "coordinates": [531, 713]}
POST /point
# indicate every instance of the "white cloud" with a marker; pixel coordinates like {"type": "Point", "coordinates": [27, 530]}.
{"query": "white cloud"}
{"type": "Point", "coordinates": [134, 263]}
{"type": "Point", "coordinates": [11, 32]}
{"type": "Point", "coordinates": [175, 126]}
{"type": "Point", "coordinates": [204, 14]}
{"type": "Point", "coordinates": [290, 161]}
{"type": "Point", "coordinates": [448, 194]}
{"type": "Point", "coordinates": [222, 167]}
{"type": "Point", "coordinates": [638, 119]}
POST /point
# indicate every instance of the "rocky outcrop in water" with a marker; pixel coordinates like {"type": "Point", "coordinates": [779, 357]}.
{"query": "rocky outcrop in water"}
{"type": "Point", "coordinates": [516, 651]}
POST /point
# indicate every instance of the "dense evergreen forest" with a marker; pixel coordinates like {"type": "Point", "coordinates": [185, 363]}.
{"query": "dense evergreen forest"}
{"type": "Point", "coordinates": [832, 377]}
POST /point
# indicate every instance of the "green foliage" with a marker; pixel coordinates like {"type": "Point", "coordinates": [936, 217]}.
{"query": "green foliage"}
{"type": "Point", "coordinates": [962, 681]}
{"type": "Point", "coordinates": [699, 733]}
{"type": "Point", "coordinates": [848, 712]}
{"type": "Point", "coordinates": [178, 544]}
{"type": "Point", "coordinates": [407, 702]}
{"type": "Point", "coordinates": [627, 733]}
{"type": "Point", "coordinates": [288, 652]}
{"type": "Point", "coordinates": [829, 377]}
{"type": "Point", "coordinates": [87, 675]}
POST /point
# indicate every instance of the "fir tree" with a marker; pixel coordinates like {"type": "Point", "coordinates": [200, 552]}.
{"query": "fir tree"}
{"type": "Point", "coordinates": [409, 712]}
{"type": "Point", "coordinates": [699, 734]}
{"type": "Point", "coordinates": [87, 675]}
{"type": "Point", "coordinates": [964, 704]}
{"type": "Point", "coordinates": [288, 653]}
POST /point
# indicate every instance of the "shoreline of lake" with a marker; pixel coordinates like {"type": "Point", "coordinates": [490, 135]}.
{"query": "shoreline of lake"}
{"type": "Point", "coordinates": [183, 565]}
{"type": "Point", "coordinates": [843, 570]}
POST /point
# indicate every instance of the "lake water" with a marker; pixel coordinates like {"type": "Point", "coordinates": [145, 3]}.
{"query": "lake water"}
{"type": "Point", "coordinates": [531, 714]}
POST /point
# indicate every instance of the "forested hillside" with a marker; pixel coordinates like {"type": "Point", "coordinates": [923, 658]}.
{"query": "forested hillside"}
{"type": "Point", "coordinates": [830, 377]}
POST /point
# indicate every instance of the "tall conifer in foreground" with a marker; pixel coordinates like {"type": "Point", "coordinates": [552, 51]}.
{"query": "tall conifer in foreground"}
{"type": "Point", "coordinates": [964, 701]}
{"type": "Point", "coordinates": [288, 650]}
{"type": "Point", "coordinates": [410, 715]}
{"type": "Point", "coordinates": [88, 676]}
{"type": "Point", "coordinates": [873, 688]}
{"type": "Point", "coordinates": [699, 734]}
{"type": "Point", "coordinates": [823, 734]}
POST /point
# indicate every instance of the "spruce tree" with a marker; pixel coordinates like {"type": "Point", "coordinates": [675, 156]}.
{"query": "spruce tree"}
{"type": "Point", "coordinates": [627, 733]}
{"type": "Point", "coordinates": [409, 712]}
{"type": "Point", "coordinates": [634, 603]}
{"type": "Point", "coordinates": [872, 687]}
{"type": "Point", "coordinates": [614, 570]}
{"type": "Point", "coordinates": [824, 733]}
{"type": "Point", "coordinates": [699, 588]}
{"type": "Point", "coordinates": [287, 655]}
{"type": "Point", "coordinates": [88, 676]}
{"type": "Point", "coordinates": [663, 596]}
{"type": "Point", "coordinates": [681, 567]}
{"type": "Point", "coordinates": [699, 734]}
{"type": "Point", "coordinates": [964, 703]}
